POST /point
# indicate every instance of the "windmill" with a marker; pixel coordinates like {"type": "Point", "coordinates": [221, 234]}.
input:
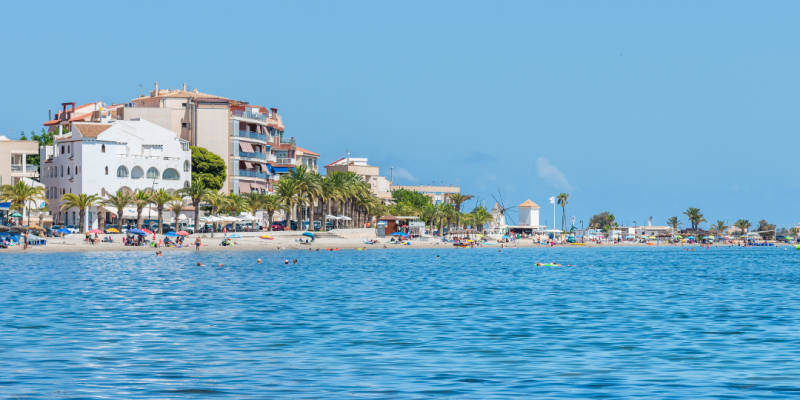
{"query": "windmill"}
{"type": "Point", "coordinates": [503, 209]}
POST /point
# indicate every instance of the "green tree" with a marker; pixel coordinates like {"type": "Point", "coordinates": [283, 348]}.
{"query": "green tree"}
{"type": "Point", "coordinates": [674, 222]}
{"type": "Point", "coordinates": [209, 168]}
{"type": "Point", "coordinates": [458, 199]}
{"type": "Point", "coordinates": [272, 204]}
{"type": "Point", "coordinates": [416, 199]}
{"type": "Point", "coordinates": [604, 221]}
{"type": "Point", "coordinates": [481, 216]}
{"type": "Point", "coordinates": [20, 194]}
{"type": "Point", "coordinates": [290, 193]}
{"type": "Point", "coordinates": [119, 200]}
{"type": "Point", "coordinates": [309, 186]}
{"type": "Point", "coordinates": [694, 216]}
{"type": "Point", "coordinates": [141, 199]}
{"type": "Point", "coordinates": [217, 201]}
{"type": "Point", "coordinates": [81, 202]}
{"type": "Point", "coordinates": [563, 201]}
{"type": "Point", "coordinates": [719, 227]}
{"type": "Point", "coordinates": [743, 224]}
{"type": "Point", "coordinates": [197, 192]}
{"type": "Point", "coordinates": [161, 198]}
{"type": "Point", "coordinates": [765, 229]}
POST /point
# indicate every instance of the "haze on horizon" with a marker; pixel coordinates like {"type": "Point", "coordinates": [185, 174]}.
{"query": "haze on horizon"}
{"type": "Point", "coordinates": [641, 109]}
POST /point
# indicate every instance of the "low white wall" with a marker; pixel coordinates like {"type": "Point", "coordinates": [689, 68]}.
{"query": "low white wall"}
{"type": "Point", "coordinates": [366, 233]}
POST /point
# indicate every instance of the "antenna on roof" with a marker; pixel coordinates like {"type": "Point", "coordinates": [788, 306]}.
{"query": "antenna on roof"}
{"type": "Point", "coordinates": [140, 89]}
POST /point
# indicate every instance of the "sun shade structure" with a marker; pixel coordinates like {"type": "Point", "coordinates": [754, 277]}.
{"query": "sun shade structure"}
{"type": "Point", "coordinates": [309, 234]}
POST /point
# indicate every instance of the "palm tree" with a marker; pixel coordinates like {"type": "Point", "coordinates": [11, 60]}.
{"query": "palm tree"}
{"type": "Point", "coordinates": [119, 200]}
{"type": "Point", "coordinates": [81, 202]}
{"type": "Point", "coordinates": [177, 207]}
{"type": "Point", "coordinates": [458, 199]}
{"type": "Point", "coordinates": [20, 193]}
{"type": "Point", "coordinates": [141, 199]}
{"type": "Point", "coordinates": [160, 198]}
{"type": "Point", "coordinates": [563, 200]}
{"type": "Point", "coordinates": [235, 205]}
{"type": "Point", "coordinates": [694, 216]}
{"type": "Point", "coordinates": [719, 227]}
{"type": "Point", "coordinates": [217, 201]}
{"type": "Point", "coordinates": [271, 204]}
{"type": "Point", "coordinates": [309, 185]}
{"type": "Point", "coordinates": [674, 222]}
{"type": "Point", "coordinates": [743, 224]}
{"type": "Point", "coordinates": [481, 216]}
{"type": "Point", "coordinates": [197, 192]}
{"type": "Point", "coordinates": [290, 193]}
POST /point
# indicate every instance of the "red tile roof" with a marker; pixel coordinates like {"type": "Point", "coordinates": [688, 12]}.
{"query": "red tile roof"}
{"type": "Point", "coordinates": [335, 162]}
{"type": "Point", "coordinates": [81, 117]}
{"type": "Point", "coordinates": [306, 151]}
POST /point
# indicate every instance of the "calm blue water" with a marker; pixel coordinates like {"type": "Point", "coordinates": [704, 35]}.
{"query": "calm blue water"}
{"type": "Point", "coordinates": [638, 322]}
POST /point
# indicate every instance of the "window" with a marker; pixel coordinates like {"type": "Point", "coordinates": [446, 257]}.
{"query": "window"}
{"type": "Point", "coordinates": [62, 171]}
{"type": "Point", "coordinates": [184, 106]}
{"type": "Point", "coordinates": [106, 170]}
{"type": "Point", "coordinates": [62, 149]}
{"type": "Point", "coordinates": [171, 175]}
{"type": "Point", "coordinates": [68, 150]}
{"type": "Point", "coordinates": [122, 172]}
{"type": "Point", "coordinates": [186, 184]}
{"type": "Point", "coordinates": [183, 124]}
{"type": "Point", "coordinates": [137, 173]}
{"type": "Point", "coordinates": [186, 166]}
{"type": "Point", "coordinates": [152, 173]}
{"type": "Point", "coordinates": [68, 170]}
{"type": "Point", "coordinates": [103, 148]}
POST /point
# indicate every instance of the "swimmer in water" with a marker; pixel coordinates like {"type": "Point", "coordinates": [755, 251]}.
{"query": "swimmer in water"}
{"type": "Point", "coordinates": [159, 254]}
{"type": "Point", "coordinates": [221, 264]}
{"type": "Point", "coordinates": [295, 261]}
{"type": "Point", "coordinates": [286, 262]}
{"type": "Point", "coordinates": [258, 261]}
{"type": "Point", "coordinates": [200, 265]}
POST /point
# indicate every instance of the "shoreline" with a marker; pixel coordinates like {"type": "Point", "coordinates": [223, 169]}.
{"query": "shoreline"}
{"type": "Point", "coordinates": [76, 244]}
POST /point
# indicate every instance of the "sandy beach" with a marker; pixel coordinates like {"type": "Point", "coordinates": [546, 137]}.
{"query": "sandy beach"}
{"type": "Point", "coordinates": [76, 243]}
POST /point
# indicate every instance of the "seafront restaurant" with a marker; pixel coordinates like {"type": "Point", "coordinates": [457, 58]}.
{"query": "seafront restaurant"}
{"type": "Point", "coordinates": [386, 225]}
{"type": "Point", "coordinates": [4, 207]}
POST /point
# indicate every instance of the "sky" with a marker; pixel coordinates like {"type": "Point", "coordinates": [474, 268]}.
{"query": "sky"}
{"type": "Point", "coordinates": [638, 108]}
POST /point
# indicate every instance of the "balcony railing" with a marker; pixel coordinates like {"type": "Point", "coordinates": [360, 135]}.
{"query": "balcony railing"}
{"type": "Point", "coordinates": [252, 135]}
{"type": "Point", "coordinates": [284, 161]}
{"type": "Point", "coordinates": [287, 141]}
{"type": "Point", "coordinates": [260, 156]}
{"type": "Point", "coordinates": [251, 115]}
{"type": "Point", "coordinates": [28, 168]}
{"type": "Point", "coordinates": [252, 174]}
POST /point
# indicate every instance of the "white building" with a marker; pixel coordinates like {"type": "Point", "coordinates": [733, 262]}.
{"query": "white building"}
{"type": "Point", "coordinates": [101, 158]}
{"type": "Point", "coordinates": [528, 214]}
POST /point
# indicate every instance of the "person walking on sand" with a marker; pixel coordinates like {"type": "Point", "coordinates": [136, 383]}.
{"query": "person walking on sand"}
{"type": "Point", "coordinates": [197, 244]}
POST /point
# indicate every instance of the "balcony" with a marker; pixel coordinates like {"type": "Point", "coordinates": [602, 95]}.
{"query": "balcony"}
{"type": "Point", "coordinates": [260, 156]}
{"type": "Point", "coordinates": [289, 161]}
{"type": "Point", "coordinates": [252, 135]}
{"type": "Point", "coordinates": [251, 115]}
{"type": "Point", "coordinates": [252, 174]}
{"type": "Point", "coordinates": [287, 141]}
{"type": "Point", "coordinates": [28, 169]}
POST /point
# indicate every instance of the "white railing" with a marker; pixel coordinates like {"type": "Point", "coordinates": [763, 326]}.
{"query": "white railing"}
{"type": "Point", "coordinates": [28, 168]}
{"type": "Point", "coordinates": [284, 161]}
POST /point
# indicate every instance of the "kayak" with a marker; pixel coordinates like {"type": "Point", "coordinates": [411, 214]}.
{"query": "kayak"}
{"type": "Point", "coordinates": [548, 265]}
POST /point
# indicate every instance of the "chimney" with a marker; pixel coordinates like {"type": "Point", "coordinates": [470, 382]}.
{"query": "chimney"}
{"type": "Point", "coordinates": [184, 87]}
{"type": "Point", "coordinates": [50, 114]}
{"type": "Point", "coordinates": [155, 93]}
{"type": "Point", "coordinates": [195, 90]}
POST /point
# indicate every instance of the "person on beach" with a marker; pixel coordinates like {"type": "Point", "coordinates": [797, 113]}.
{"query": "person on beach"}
{"type": "Point", "coordinates": [197, 243]}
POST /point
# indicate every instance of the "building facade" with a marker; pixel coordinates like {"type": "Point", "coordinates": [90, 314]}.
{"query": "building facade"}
{"type": "Point", "coordinates": [102, 158]}
{"type": "Point", "coordinates": [13, 160]}
{"type": "Point", "coordinates": [379, 185]}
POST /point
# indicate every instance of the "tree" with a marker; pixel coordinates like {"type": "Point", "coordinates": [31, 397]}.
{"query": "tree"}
{"type": "Point", "coordinates": [119, 200]}
{"type": "Point", "coordinates": [197, 192]}
{"type": "Point", "coordinates": [45, 139]}
{"type": "Point", "coordinates": [209, 168]}
{"type": "Point", "coordinates": [416, 199]}
{"type": "Point", "coordinates": [563, 200]}
{"type": "Point", "coordinates": [141, 199]}
{"type": "Point", "coordinates": [177, 207]}
{"type": "Point", "coordinates": [81, 202]}
{"type": "Point", "coordinates": [160, 198]}
{"type": "Point", "coordinates": [216, 201]}
{"type": "Point", "coordinates": [481, 216]}
{"type": "Point", "coordinates": [458, 199]}
{"type": "Point", "coordinates": [719, 227]}
{"type": "Point", "coordinates": [290, 193]}
{"type": "Point", "coordinates": [271, 204]}
{"type": "Point", "coordinates": [794, 232]}
{"type": "Point", "coordinates": [765, 229]}
{"type": "Point", "coordinates": [694, 216]}
{"type": "Point", "coordinates": [743, 224]}
{"type": "Point", "coordinates": [674, 222]}
{"type": "Point", "coordinates": [20, 193]}
{"type": "Point", "coordinates": [308, 183]}
{"type": "Point", "coordinates": [604, 221]}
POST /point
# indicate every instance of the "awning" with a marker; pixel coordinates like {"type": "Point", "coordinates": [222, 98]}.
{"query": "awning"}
{"type": "Point", "coordinates": [281, 170]}
{"type": "Point", "coordinates": [246, 147]}
{"type": "Point", "coordinates": [271, 170]}
{"type": "Point", "coordinates": [244, 187]}
{"type": "Point", "coordinates": [264, 167]}
{"type": "Point", "coordinates": [248, 165]}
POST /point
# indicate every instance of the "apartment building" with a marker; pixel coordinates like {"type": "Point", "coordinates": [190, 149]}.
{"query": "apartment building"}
{"type": "Point", "coordinates": [379, 185]}
{"type": "Point", "coordinates": [13, 160]}
{"type": "Point", "coordinates": [438, 194]}
{"type": "Point", "coordinates": [103, 157]}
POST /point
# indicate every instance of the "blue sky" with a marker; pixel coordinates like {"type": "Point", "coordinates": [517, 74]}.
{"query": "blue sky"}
{"type": "Point", "coordinates": [638, 108]}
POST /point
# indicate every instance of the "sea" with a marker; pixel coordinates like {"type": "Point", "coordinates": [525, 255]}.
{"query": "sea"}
{"type": "Point", "coordinates": [637, 322]}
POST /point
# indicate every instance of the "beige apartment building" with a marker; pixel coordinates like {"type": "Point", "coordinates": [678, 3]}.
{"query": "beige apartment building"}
{"type": "Point", "coordinates": [13, 164]}
{"type": "Point", "coordinates": [250, 138]}
{"type": "Point", "coordinates": [380, 186]}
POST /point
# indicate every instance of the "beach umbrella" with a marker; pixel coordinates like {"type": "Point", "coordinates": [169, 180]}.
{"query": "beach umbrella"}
{"type": "Point", "coordinates": [4, 228]}
{"type": "Point", "coordinates": [268, 237]}
{"type": "Point", "coordinates": [183, 233]}
{"type": "Point", "coordinates": [112, 230]}
{"type": "Point", "coordinates": [399, 234]}
{"type": "Point", "coordinates": [679, 236]}
{"type": "Point", "coordinates": [137, 232]}
{"type": "Point", "coordinates": [171, 234]}
{"type": "Point", "coordinates": [146, 231]}
{"type": "Point", "coordinates": [690, 237]}
{"type": "Point", "coordinates": [95, 231]}
{"type": "Point", "coordinates": [235, 236]}
{"type": "Point", "coordinates": [708, 237]}
{"type": "Point", "coordinates": [505, 237]}
{"type": "Point", "coordinates": [651, 237]}
{"type": "Point", "coordinates": [309, 234]}
{"type": "Point", "coordinates": [15, 215]}
{"type": "Point", "coordinates": [65, 231]}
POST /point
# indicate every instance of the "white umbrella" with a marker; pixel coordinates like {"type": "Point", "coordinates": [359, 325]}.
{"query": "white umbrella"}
{"type": "Point", "coordinates": [345, 218]}
{"type": "Point", "coordinates": [331, 217]}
